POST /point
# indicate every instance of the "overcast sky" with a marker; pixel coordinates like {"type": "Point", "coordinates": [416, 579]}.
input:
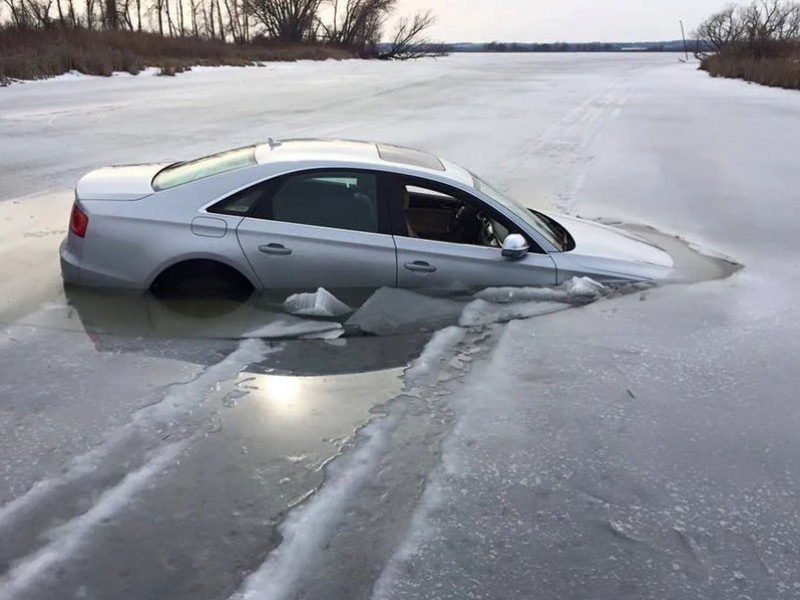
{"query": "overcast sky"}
{"type": "Point", "coordinates": [563, 20]}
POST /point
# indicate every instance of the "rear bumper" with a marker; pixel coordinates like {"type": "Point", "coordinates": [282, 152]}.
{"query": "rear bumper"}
{"type": "Point", "coordinates": [70, 265]}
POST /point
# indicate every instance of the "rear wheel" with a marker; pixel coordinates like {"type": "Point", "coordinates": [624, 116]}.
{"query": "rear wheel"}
{"type": "Point", "coordinates": [196, 279]}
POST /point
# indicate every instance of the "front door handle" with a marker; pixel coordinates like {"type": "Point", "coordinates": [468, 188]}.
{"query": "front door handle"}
{"type": "Point", "coordinates": [277, 249]}
{"type": "Point", "coordinates": [420, 266]}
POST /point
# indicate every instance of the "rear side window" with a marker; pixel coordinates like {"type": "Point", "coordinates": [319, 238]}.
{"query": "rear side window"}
{"type": "Point", "coordinates": [182, 173]}
{"type": "Point", "coordinates": [338, 199]}
{"type": "Point", "coordinates": [241, 203]}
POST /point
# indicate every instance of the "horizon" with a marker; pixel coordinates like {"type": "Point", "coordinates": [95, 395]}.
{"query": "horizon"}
{"type": "Point", "coordinates": [602, 21]}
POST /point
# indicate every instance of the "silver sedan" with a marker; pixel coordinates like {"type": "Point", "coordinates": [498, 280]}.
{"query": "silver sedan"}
{"type": "Point", "coordinates": [301, 214]}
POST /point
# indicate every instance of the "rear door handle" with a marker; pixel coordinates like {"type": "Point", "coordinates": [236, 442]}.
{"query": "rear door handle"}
{"type": "Point", "coordinates": [420, 266]}
{"type": "Point", "coordinates": [277, 249]}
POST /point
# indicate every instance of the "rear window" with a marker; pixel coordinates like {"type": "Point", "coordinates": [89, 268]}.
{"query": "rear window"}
{"type": "Point", "coordinates": [181, 173]}
{"type": "Point", "coordinates": [407, 156]}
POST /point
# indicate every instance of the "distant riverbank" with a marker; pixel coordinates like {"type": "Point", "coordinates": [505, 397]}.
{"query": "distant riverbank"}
{"type": "Point", "coordinates": [42, 54]}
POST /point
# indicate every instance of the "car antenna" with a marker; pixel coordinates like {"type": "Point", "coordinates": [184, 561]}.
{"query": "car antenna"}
{"type": "Point", "coordinates": [272, 143]}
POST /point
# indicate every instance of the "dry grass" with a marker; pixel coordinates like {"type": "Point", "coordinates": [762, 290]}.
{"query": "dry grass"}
{"type": "Point", "coordinates": [781, 71]}
{"type": "Point", "coordinates": [39, 54]}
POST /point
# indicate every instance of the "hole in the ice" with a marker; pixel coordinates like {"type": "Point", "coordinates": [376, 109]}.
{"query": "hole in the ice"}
{"type": "Point", "coordinates": [332, 315]}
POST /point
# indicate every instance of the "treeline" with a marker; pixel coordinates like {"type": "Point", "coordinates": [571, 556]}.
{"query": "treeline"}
{"type": "Point", "coordinates": [42, 38]}
{"type": "Point", "coordinates": [354, 24]}
{"type": "Point", "coordinates": [758, 42]}
{"type": "Point", "coordinates": [672, 46]}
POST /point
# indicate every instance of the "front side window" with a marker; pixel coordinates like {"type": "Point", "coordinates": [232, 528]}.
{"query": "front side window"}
{"type": "Point", "coordinates": [435, 213]}
{"type": "Point", "coordinates": [539, 224]}
{"type": "Point", "coordinates": [338, 199]}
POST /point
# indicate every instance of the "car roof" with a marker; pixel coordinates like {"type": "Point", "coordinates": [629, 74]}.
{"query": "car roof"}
{"type": "Point", "coordinates": [366, 154]}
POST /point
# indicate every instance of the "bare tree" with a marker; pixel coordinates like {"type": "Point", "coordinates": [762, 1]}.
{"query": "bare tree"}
{"type": "Point", "coordinates": [219, 20]}
{"type": "Point", "coordinates": [39, 12]}
{"type": "Point", "coordinates": [90, 14]}
{"type": "Point", "coordinates": [357, 23]}
{"type": "Point", "coordinates": [286, 20]}
{"type": "Point", "coordinates": [409, 39]}
{"type": "Point", "coordinates": [21, 16]}
{"type": "Point", "coordinates": [758, 29]}
{"type": "Point", "coordinates": [158, 8]}
{"type": "Point", "coordinates": [194, 10]}
{"type": "Point", "coordinates": [73, 19]}
{"type": "Point", "coordinates": [111, 16]}
{"type": "Point", "coordinates": [61, 20]}
{"type": "Point", "coordinates": [721, 30]}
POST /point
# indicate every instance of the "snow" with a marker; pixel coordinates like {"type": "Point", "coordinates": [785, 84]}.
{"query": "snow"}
{"type": "Point", "coordinates": [481, 312]}
{"type": "Point", "coordinates": [439, 348]}
{"type": "Point", "coordinates": [319, 304]}
{"type": "Point", "coordinates": [575, 289]}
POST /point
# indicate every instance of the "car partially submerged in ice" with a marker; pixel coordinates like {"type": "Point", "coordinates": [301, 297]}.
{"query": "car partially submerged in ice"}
{"type": "Point", "coordinates": [303, 214]}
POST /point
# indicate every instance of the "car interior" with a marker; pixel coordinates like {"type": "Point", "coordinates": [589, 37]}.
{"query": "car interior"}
{"type": "Point", "coordinates": [434, 215]}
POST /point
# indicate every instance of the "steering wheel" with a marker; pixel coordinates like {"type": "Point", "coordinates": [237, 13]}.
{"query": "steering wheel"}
{"type": "Point", "coordinates": [458, 219]}
{"type": "Point", "coordinates": [488, 237]}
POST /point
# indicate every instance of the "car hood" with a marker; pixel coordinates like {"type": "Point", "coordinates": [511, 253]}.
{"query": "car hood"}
{"type": "Point", "coordinates": [129, 182]}
{"type": "Point", "coordinates": [601, 241]}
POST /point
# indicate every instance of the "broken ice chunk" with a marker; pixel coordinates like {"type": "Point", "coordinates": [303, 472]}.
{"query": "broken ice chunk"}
{"type": "Point", "coordinates": [319, 304]}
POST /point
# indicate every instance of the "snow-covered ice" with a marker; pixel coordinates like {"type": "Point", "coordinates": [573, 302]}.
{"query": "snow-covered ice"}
{"type": "Point", "coordinates": [642, 446]}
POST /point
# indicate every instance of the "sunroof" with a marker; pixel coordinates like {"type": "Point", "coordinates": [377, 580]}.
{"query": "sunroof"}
{"type": "Point", "coordinates": [407, 156]}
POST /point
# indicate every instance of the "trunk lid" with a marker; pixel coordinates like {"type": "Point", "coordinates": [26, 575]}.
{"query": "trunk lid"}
{"type": "Point", "coordinates": [128, 182]}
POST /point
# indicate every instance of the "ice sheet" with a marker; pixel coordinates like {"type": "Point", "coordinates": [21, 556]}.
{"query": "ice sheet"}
{"type": "Point", "coordinates": [287, 326]}
{"type": "Point", "coordinates": [575, 289]}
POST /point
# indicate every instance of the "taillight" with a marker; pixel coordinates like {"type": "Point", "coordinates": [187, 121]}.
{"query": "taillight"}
{"type": "Point", "coordinates": [78, 221]}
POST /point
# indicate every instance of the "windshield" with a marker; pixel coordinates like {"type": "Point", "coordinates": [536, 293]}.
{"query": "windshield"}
{"type": "Point", "coordinates": [181, 173]}
{"type": "Point", "coordinates": [523, 213]}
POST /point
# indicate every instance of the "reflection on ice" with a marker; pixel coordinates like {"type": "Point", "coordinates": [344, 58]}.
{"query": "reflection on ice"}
{"type": "Point", "coordinates": [293, 399]}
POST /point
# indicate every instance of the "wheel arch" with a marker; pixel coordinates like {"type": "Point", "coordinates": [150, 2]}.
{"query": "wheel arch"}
{"type": "Point", "coordinates": [199, 261]}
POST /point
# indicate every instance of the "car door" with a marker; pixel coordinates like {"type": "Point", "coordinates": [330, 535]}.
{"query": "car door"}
{"type": "Point", "coordinates": [461, 267]}
{"type": "Point", "coordinates": [440, 264]}
{"type": "Point", "coordinates": [320, 229]}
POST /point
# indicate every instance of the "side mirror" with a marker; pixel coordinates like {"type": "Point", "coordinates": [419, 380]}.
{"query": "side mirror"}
{"type": "Point", "coordinates": [515, 246]}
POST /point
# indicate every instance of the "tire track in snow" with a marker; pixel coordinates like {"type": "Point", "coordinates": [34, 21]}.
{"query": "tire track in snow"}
{"type": "Point", "coordinates": [180, 400]}
{"type": "Point", "coordinates": [565, 146]}
{"type": "Point", "coordinates": [308, 527]}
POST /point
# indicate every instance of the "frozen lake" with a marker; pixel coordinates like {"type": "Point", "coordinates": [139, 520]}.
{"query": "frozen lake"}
{"type": "Point", "coordinates": [643, 446]}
